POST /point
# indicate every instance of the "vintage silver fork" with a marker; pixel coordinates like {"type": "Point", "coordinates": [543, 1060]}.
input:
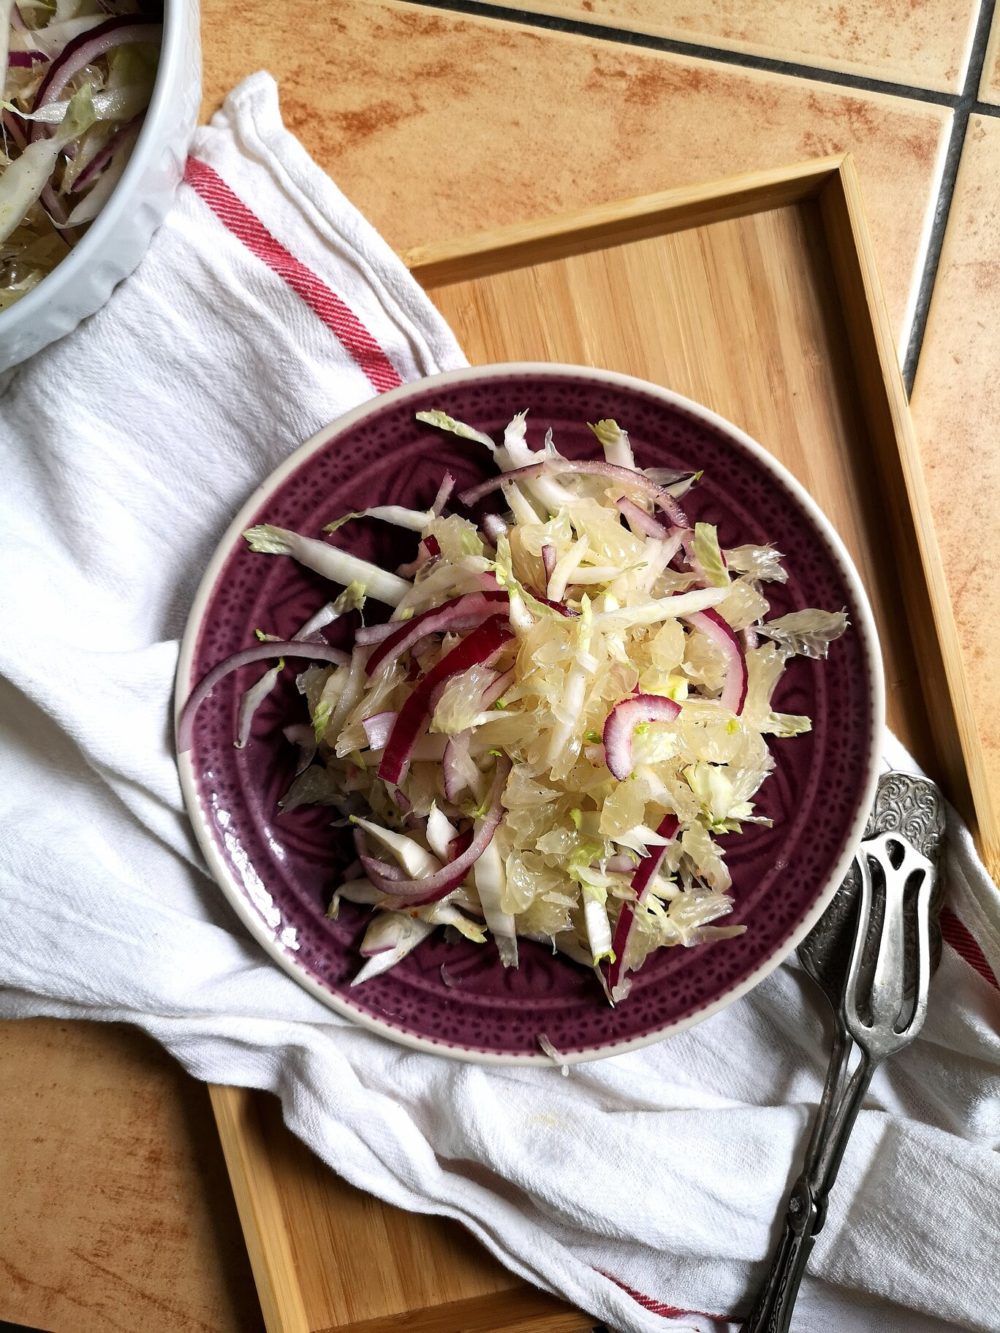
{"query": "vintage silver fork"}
{"type": "Point", "coordinates": [880, 1001]}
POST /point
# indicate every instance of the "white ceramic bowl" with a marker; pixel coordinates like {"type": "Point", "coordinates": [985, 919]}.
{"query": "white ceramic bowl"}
{"type": "Point", "coordinates": [120, 233]}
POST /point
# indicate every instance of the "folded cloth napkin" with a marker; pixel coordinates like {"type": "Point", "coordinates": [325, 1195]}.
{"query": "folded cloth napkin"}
{"type": "Point", "coordinates": [642, 1188]}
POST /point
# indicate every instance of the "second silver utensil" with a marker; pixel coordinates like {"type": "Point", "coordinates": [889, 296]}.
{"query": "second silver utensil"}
{"type": "Point", "coordinates": [872, 953]}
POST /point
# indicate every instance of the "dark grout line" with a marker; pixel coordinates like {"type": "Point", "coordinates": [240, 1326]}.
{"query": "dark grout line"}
{"type": "Point", "coordinates": [694, 50]}
{"type": "Point", "coordinates": [962, 105]}
{"type": "Point", "coordinates": [966, 104]}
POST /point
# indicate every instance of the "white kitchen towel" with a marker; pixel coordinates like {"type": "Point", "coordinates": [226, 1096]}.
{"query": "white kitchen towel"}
{"type": "Point", "coordinates": [642, 1188]}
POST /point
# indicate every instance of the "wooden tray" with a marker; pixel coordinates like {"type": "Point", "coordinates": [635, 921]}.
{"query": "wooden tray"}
{"type": "Point", "coordinates": [759, 298]}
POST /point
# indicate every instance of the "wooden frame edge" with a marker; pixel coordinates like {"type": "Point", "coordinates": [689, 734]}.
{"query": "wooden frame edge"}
{"type": "Point", "coordinates": [523, 244]}
{"type": "Point", "coordinates": [886, 408]}
{"type": "Point", "coordinates": [259, 1206]}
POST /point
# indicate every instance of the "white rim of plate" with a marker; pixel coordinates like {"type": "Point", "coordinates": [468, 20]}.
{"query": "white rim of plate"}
{"type": "Point", "coordinates": [864, 624]}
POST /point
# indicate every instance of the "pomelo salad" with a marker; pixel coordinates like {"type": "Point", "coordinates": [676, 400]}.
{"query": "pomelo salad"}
{"type": "Point", "coordinates": [567, 709]}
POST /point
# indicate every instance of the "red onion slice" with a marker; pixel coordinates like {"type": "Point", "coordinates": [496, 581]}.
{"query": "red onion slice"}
{"type": "Point", "coordinates": [428, 549]}
{"type": "Point", "coordinates": [548, 562]}
{"type": "Point", "coordinates": [622, 721]}
{"type": "Point", "coordinates": [561, 607]}
{"type": "Point", "coordinates": [481, 646]}
{"type": "Point", "coordinates": [644, 875]}
{"type": "Point", "coordinates": [84, 49]}
{"type": "Point", "coordinates": [497, 688]}
{"type": "Point", "coordinates": [369, 634]}
{"type": "Point", "coordinates": [25, 59]}
{"type": "Point", "coordinates": [378, 728]}
{"type": "Point", "coordinates": [586, 467]}
{"type": "Point", "coordinates": [121, 140]}
{"type": "Point", "coordinates": [457, 614]}
{"type": "Point", "coordinates": [639, 521]}
{"type": "Point", "coordinates": [431, 888]}
{"type": "Point", "coordinates": [261, 652]}
{"type": "Point", "coordinates": [734, 688]}
{"type": "Point", "coordinates": [14, 128]}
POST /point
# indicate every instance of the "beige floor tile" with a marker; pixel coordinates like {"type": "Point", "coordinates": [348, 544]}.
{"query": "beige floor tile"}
{"type": "Point", "coordinates": [551, 122]}
{"type": "Point", "coordinates": [989, 84]}
{"type": "Point", "coordinates": [923, 43]}
{"type": "Point", "coordinates": [956, 407]}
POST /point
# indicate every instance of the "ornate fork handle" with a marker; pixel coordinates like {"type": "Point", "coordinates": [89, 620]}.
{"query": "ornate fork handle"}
{"type": "Point", "coordinates": [900, 866]}
{"type": "Point", "coordinates": [805, 1213]}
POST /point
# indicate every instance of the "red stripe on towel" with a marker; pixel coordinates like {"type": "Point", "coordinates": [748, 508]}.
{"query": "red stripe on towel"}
{"type": "Point", "coordinates": [962, 941]}
{"type": "Point", "coordinates": [233, 213]}
{"type": "Point", "coordinates": [658, 1307]}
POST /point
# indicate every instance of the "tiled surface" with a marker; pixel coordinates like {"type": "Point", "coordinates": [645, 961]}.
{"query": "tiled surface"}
{"type": "Point", "coordinates": [437, 124]}
{"type": "Point", "coordinates": [923, 43]}
{"type": "Point", "coordinates": [989, 85]}
{"type": "Point", "coordinates": [440, 125]}
{"type": "Point", "coordinates": [956, 408]}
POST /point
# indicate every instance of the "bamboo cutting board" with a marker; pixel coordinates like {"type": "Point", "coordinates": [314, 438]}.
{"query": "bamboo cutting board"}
{"type": "Point", "coordinates": [759, 298]}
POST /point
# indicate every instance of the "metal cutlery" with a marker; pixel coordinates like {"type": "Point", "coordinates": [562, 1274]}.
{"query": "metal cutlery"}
{"type": "Point", "coordinates": [872, 954]}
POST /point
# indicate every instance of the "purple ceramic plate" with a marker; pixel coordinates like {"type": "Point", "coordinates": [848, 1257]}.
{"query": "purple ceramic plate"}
{"type": "Point", "coordinates": [278, 871]}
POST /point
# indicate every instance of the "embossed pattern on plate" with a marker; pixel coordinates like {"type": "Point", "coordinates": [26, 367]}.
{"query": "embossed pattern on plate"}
{"type": "Point", "coordinates": [279, 871]}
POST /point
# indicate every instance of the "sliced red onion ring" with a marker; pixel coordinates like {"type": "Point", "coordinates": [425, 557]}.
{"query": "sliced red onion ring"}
{"type": "Point", "coordinates": [639, 520]}
{"type": "Point", "coordinates": [497, 689]}
{"type": "Point", "coordinates": [368, 634]}
{"type": "Point", "coordinates": [378, 728]}
{"type": "Point", "coordinates": [644, 875]}
{"type": "Point", "coordinates": [457, 614]}
{"type": "Point", "coordinates": [431, 888]}
{"type": "Point", "coordinates": [428, 549]}
{"type": "Point", "coordinates": [561, 607]}
{"type": "Point", "coordinates": [622, 721]}
{"type": "Point", "coordinates": [25, 59]}
{"type": "Point", "coordinates": [586, 467]}
{"type": "Point", "coordinates": [481, 646]}
{"type": "Point", "coordinates": [13, 127]}
{"type": "Point", "coordinates": [82, 51]}
{"type": "Point", "coordinates": [120, 141]}
{"type": "Point", "coordinates": [734, 689]}
{"type": "Point", "coordinates": [261, 652]}
{"type": "Point", "coordinates": [548, 562]}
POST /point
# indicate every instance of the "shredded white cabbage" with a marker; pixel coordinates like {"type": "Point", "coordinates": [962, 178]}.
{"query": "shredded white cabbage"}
{"type": "Point", "coordinates": [69, 119]}
{"type": "Point", "coordinates": [587, 619]}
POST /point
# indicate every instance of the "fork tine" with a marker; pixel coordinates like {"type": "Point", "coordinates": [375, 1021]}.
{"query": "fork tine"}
{"type": "Point", "coordinates": [889, 983]}
{"type": "Point", "coordinates": [850, 997]}
{"type": "Point", "coordinates": [923, 981]}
